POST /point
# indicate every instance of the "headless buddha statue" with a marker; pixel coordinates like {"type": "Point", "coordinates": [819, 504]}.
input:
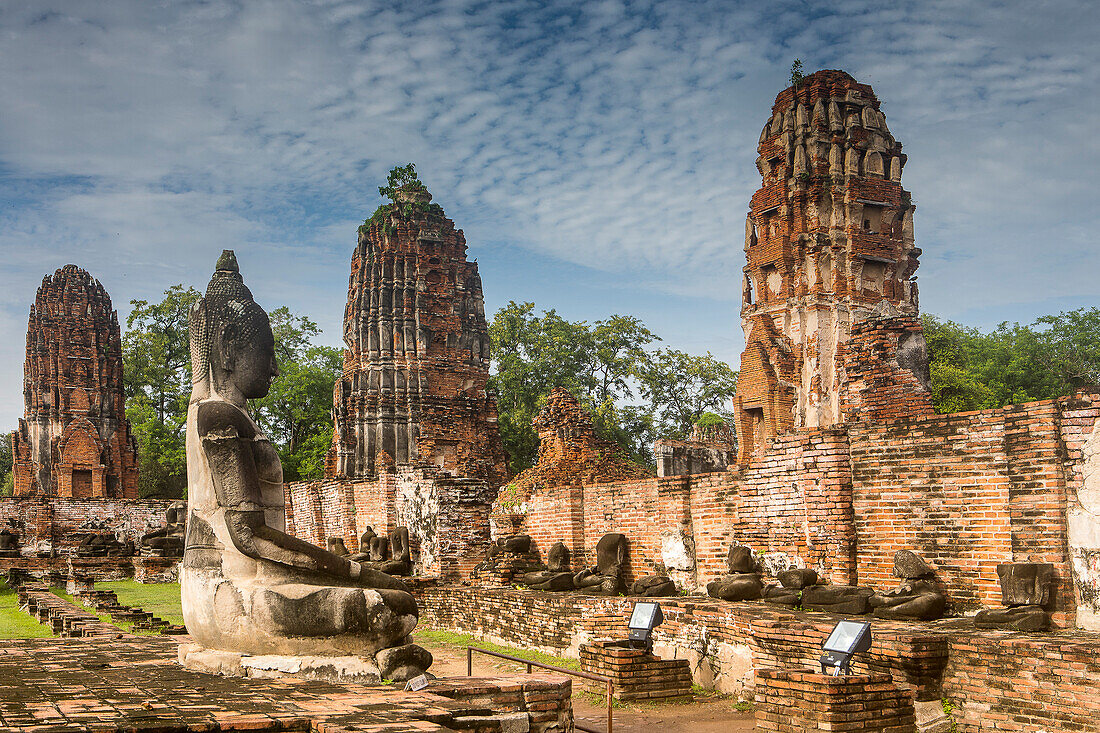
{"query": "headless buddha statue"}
{"type": "Point", "coordinates": [247, 586]}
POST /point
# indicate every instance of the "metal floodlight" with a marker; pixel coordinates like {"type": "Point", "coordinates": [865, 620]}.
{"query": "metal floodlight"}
{"type": "Point", "coordinates": [848, 638]}
{"type": "Point", "coordinates": [646, 616]}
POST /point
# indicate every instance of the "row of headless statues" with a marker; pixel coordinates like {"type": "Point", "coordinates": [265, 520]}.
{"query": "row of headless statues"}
{"type": "Point", "coordinates": [390, 555]}
{"type": "Point", "coordinates": [1025, 592]}
{"type": "Point", "coordinates": [1025, 587]}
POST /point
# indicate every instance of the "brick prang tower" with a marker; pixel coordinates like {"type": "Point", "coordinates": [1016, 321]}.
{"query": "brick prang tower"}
{"type": "Point", "coordinates": [74, 439]}
{"type": "Point", "coordinates": [829, 238]}
{"type": "Point", "coordinates": [416, 365]}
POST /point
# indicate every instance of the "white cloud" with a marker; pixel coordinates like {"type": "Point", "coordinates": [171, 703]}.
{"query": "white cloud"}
{"type": "Point", "coordinates": [138, 139]}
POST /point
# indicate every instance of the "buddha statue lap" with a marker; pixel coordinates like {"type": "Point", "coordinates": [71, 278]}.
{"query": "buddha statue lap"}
{"type": "Point", "coordinates": [743, 583]}
{"type": "Point", "coordinates": [917, 598]}
{"type": "Point", "coordinates": [605, 578]}
{"type": "Point", "coordinates": [400, 562]}
{"type": "Point", "coordinates": [1025, 593]}
{"type": "Point", "coordinates": [167, 541]}
{"type": "Point", "coordinates": [653, 586]}
{"type": "Point", "coordinates": [792, 582]}
{"type": "Point", "coordinates": [246, 585]}
{"type": "Point", "coordinates": [9, 540]}
{"type": "Point", "coordinates": [558, 575]}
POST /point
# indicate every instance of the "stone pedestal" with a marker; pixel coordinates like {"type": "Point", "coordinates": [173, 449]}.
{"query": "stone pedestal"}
{"type": "Point", "coordinates": [794, 701]}
{"type": "Point", "coordinates": [638, 674]}
{"type": "Point", "coordinates": [345, 669]}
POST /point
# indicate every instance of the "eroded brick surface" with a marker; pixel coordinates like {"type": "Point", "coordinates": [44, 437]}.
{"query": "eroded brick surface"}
{"type": "Point", "coordinates": [828, 237]}
{"type": "Point", "coordinates": [570, 451]}
{"type": "Point", "coordinates": [74, 439]}
{"type": "Point", "coordinates": [801, 701]}
{"type": "Point", "coordinates": [416, 364]}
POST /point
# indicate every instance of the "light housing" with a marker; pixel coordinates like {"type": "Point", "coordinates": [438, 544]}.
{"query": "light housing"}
{"type": "Point", "coordinates": [847, 639]}
{"type": "Point", "coordinates": [646, 616]}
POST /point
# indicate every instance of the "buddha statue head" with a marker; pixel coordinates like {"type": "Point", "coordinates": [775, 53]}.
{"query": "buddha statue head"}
{"type": "Point", "coordinates": [232, 347]}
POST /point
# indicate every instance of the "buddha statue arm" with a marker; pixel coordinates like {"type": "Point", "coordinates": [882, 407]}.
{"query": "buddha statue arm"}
{"type": "Point", "coordinates": [227, 442]}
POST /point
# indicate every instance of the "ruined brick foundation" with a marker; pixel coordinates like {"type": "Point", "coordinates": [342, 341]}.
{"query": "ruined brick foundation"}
{"type": "Point", "coordinates": [997, 681]}
{"type": "Point", "coordinates": [447, 516]}
{"type": "Point", "coordinates": [48, 524]}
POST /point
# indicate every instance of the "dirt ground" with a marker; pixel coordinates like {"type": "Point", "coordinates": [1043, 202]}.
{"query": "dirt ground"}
{"type": "Point", "coordinates": [705, 715]}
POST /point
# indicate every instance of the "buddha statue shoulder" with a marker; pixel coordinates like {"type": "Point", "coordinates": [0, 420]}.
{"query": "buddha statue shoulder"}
{"type": "Point", "coordinates": [247, 585]}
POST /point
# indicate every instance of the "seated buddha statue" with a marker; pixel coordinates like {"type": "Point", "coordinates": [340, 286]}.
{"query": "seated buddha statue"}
{"type": "Point", "coordinates": [247, 586]}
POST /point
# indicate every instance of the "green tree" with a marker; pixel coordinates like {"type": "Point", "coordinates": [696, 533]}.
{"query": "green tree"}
{"type": "Point", "coordinates": [973, 370]}
{"type": "Point", "coordinates": [297, 413]}
{"type": "Point", "coordinates": [603, 364]}
{"type": "Point", "coordinates": [7, 478]}
{"type": "Point", "coordinates": [618, 347]}
{"type": "Point", "coordinates": [680, 387]}
{"type": "Point", "coordinates": [157, 365]}
{"type": "Point", "coordinates": [532, 355]}
{"type": "Point", "coordinates": [1069, 348]}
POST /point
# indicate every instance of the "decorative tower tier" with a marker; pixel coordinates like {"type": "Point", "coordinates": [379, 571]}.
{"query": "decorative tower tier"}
{"type": "Point", "coordinates": [74, 439]}
{"type": "Point", "coordinates": [417, 359]}
{"type": "Point", "coordinates": [828, 238]}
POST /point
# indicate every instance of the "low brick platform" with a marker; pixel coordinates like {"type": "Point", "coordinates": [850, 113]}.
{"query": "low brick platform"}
{"type": "Point", "coordinates": [638, 675]}
{"type": "Point", "coordinates": [96, 568]}
{"type": "Point", "coordinates": [764, 636]}
{"type": "Point", "coordinates": [800, 701]}
{"type": "Point", "coordinates": [156, 569]}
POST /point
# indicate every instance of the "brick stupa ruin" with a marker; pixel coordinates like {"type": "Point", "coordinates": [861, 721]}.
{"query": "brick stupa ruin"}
{"type": "Point", "coordinates": [829, 245]}
{"type": "Point", "coordinates": [74, 439]}
{"type": "Point", "coordinates": [570, 450]}
{"type": "Point", "coordinates": [416, 366]}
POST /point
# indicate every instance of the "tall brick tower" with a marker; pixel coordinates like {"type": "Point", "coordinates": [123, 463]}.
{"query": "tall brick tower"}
{"type": "Point", "coordinates": [828, 243]}
{"type": "Point", "coordinates": [74, 439]}
{"type": "Point", "coordinates": [417, 359]}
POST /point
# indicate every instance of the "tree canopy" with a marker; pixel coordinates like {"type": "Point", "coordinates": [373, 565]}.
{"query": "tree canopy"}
{"type": "Point", "coordinates": [972, 370]}
{"type": "Point", "coordinates": [605, 364]}
{"type": "Point", "coordinates": [156, 354]}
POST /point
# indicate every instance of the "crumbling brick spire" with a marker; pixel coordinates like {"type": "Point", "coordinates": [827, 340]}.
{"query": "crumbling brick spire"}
{"type": "Point", "coordinates": [417, 359]}
{"type": "Point", "coordinates": [828, 237]}
{"type": "Point", "coordinates": [74, 439]}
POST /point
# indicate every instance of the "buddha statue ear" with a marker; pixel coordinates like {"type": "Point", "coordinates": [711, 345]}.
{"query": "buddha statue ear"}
{"type": "Point", "coordinates": [227, 350]}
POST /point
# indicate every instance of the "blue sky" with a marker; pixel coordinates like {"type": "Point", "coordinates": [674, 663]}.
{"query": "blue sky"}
{"type": "Point", "coordinates": [598, 155]}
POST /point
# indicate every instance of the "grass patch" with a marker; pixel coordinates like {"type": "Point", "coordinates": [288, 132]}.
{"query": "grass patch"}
{"type": "Point", "coordinates": [160, 599]}
{"type": "Point", "coordinates": [453, 638]}
{"type": "Point", "coordinates": [16, 624]}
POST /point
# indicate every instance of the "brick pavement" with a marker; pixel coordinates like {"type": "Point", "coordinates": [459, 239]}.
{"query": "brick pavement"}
{"type": "Point", "coordinates": [121, 682]}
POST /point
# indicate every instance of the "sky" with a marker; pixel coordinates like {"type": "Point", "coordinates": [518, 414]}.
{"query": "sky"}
{"type": "Point", "coordinates": [598, 155]}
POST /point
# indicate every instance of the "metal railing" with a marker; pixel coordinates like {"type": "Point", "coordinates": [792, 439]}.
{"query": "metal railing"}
{"type": "Point", "coordinates": [610, 684]}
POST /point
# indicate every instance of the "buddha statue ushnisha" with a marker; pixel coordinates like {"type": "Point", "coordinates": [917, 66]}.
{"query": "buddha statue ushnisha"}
{"type": "Point", "coordinates": [247, 585]}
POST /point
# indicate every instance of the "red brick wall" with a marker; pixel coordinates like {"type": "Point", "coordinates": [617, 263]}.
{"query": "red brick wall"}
{"type": "Point", "coordinates": [999, 682]}
{"type": "Point", "coordinates": [965, 491]}
{"type": "Point", "coordinates": [61, 521]}
{"type": "Point", "coordinates": [447, 517]}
